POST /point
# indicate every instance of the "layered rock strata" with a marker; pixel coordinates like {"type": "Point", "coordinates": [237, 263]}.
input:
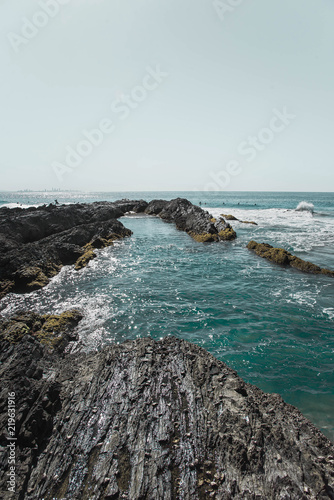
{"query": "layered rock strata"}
{"type": "Point", "coordinates": [152, 420]}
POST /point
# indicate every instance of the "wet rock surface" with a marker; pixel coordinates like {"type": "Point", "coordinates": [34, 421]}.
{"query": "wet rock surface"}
{"type": "Point", "coordinates": [144, 419]}
{"type": "Point", "coordinates": [52, 330]}
{"type": "Point", "coordinates": [31, 346]}
{"type": "Point", "coordinates": [198, 223]}
{"type": "Point", "coordinates": [232, 217]}
{"type": "Point", "coordinates": [36, 242]}
{"type": "Point", "coordinates": [284, 258]}
{"type": "Point", "coordinates": [153, 420]}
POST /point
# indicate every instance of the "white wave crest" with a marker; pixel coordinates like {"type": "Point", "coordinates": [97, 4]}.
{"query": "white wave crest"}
{"type": "Point", "coordinates": [305, 206]}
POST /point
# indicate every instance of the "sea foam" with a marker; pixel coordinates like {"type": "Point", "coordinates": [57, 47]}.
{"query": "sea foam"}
{"type": "Point", "coordinates": [305, 206]}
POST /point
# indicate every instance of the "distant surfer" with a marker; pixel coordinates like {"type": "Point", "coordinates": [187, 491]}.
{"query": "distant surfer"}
{"type": "Point", "coordinates": [56, 202]}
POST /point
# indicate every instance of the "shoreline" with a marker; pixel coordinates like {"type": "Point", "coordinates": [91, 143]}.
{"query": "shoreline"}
{"type": "Point", "coordinates": [149, 419]}
{"type": "Point", "coordinates": [187, 449]}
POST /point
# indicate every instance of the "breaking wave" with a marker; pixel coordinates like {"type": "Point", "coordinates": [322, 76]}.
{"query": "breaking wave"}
{"type": "Point", "coordinates": [305, 206]}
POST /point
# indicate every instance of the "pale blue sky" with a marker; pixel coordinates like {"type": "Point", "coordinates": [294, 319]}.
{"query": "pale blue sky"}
{"type": "Point", "coordinates": [226, 75]}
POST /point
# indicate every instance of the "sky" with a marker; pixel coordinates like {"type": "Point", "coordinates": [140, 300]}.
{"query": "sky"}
{"type": "Point", "coordinates": [140, 95]}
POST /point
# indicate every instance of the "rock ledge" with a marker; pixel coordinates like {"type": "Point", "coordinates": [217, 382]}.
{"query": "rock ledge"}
{"type": "Point", "coordinates": [154, 420]}
{"type": "Point", "coordinates": [284, 258]}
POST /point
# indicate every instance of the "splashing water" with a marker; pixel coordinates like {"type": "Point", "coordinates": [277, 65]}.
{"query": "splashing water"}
{"type": "Point", "coordinates": [273, 325]}
{"type": "Point", "coordinates": [305, 206]}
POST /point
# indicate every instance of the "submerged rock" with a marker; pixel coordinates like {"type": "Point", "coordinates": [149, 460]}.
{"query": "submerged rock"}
{"type": "Point", "coordinates": [231, 217]}
{"type": "Point", "coordinates": [284, 258]}
{"type": "Point", "coordinates": [249, 222]}
{"type": "Point", "coordinates": [153, 420]}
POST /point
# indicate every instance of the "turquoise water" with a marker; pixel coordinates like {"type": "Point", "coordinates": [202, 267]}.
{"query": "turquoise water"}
{"type": "Point", "coordinates": [273, 325]}
{"type": "Point", "coordinates": [287, 200]}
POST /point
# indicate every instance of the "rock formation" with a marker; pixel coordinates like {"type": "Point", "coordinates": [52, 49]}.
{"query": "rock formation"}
{"type": "Point", "coordinates": [231, 217]}
{"type": "Point", "coordinates": [284, 258]}
{"type": "Point", "coordinates": [36, 242]}
{"type": "Point", "coordinates": [150, 420]}
{"type": "Point", "coordinates": [144, 419]}
{"type": "Point", "coordinates": [52, 330]}
{"type": "Point", "coordinates": [198, 223]}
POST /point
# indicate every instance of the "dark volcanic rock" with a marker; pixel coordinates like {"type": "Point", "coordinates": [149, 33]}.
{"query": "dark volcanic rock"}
{"type": "Point", "coordinates": [36, 243]}
{"type": "Point", "coordinates": [155, 207]}
{"type": "Point", "coordinates": [284, 258]}
{"type": "Point", "coordinates": [30, 345]}
{"type": "Point", "coordinates": [198, 223]}
{"type": "Point", "coordinates": [25, 226]}
{"type": "Point", "coordinates": [154, 420]}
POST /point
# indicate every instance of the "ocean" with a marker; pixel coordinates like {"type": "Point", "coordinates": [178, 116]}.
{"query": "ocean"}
{"type": "Point", "coordinates": [273, 325]}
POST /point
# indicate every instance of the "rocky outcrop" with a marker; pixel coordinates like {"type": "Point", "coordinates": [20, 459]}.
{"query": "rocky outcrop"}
{"type": "Point", "coordinates": [198, 223]}
{"type": "Point", "coordinates": [284, 258]}
{"type": "Point", "coordinates": [19, 225]}
{"type": "Point", "coordinates": [52, 330]}
{"type": "Point", "coordinates": [36, 242]}
{"type": "Point", "coordinates": [155, 207]}
{"type": "Point", "coordinates": [152, 420]}
{"type": "Point", "coordinates": [231, 217]}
